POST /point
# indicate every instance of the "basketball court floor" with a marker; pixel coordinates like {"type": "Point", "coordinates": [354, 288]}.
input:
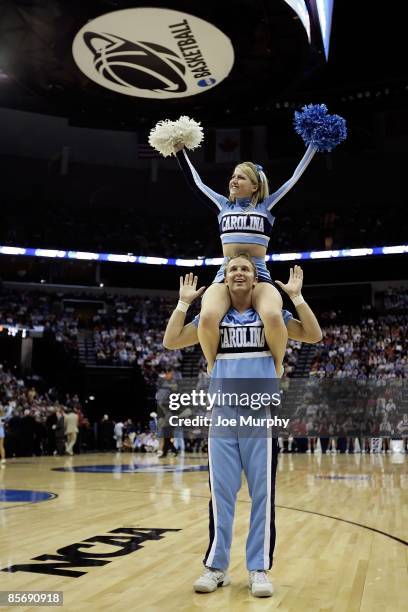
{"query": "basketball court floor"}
{"type": "Point", "coordinates": [128, 532]}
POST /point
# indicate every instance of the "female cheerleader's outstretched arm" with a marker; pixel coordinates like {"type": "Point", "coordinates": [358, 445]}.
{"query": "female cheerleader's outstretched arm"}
{"type": "Point", "coordinates": [216, 300]}
{"type": "Point", "coordinates": [205, 194]}
{"type": "Point", "coordinates": [274, 198]}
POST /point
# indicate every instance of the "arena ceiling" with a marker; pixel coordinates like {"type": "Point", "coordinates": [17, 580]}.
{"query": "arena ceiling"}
{"type": "Point", "coordinates": [272, 59]}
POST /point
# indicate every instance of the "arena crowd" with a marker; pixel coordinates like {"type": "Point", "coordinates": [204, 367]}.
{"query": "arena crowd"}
{"type": "Point", "coordinates": [127, 330]}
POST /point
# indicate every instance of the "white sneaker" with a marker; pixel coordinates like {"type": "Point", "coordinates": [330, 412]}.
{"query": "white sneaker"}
{"type": "Point", "coordinates": [210, 580]}
{"type": "Point", "coordinates": [259, 584]}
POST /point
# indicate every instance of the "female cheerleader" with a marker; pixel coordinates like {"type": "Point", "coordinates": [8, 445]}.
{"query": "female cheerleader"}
{"type": "Point", "coordinates": [245, 224]}
{"type": "Point", "coordinates": [245, 221]}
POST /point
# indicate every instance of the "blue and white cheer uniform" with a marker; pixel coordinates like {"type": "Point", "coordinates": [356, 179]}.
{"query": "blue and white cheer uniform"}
{"type": "Point", "coordinates": [239, 221]}
{"type": "Point", "coordinates": [243, 353]}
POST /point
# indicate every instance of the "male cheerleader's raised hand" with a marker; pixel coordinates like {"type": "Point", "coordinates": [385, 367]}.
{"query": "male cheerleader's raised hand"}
{"type": "Point", "coordinates": [178, 335]}
{"type": "Point", "coordinates": [188, 289]}
{"type": "Point", "coordinates": [306, 328]}
{"type": "Point", "coordinates": [293, 288]}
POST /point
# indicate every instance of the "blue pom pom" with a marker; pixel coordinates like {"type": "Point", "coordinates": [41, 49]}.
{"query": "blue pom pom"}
{"type": "Point", "coordinates": [318, 128]}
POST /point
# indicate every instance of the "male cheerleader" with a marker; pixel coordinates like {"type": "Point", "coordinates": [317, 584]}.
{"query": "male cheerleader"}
{"type": "Point", "coordinates": [246, 357]}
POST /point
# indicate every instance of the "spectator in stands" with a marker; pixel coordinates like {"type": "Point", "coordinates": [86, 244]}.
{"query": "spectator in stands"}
{"type": "Point", "coordinates": [118, 435]}
{"type": "Point", "coordinates": [50, 423]}
{"type": "Point", "coordinates": [27, 433]}
{"type": "Point", "coordinates": [40, 434]}
{"type": "Point", "coordinates": [153, 424]}
{"type": "Point", "coordinates": [105, 434]}
{"type": "Point", "coordinates": [402, 429]}
{"type": "Point", "coordinates": [151, 443]}
{"type": "Point", "coordinates": [71, 430]}
{"type": "Point", "coordinates": [60, 431]}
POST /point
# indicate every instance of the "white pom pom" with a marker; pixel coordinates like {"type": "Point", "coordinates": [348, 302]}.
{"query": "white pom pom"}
{"type": "Point", "coordinates": [162, 137]}
{"type": "Point", "coordinates": [191, 130]}
{"type": "Point", "coordinates": [166, 134]}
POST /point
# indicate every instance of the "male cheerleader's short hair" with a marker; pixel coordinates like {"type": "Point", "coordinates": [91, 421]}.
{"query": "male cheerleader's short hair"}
{"type": "Point", "coordinates": [246, 256]}
{"type": "Point", "coordinates": [258, 178]}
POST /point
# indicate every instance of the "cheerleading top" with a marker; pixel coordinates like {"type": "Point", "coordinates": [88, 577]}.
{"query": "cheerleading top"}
{"type": "Point", "coordinates": [239, 221]}
{"type": "Point", "coordinates": [243, 350]}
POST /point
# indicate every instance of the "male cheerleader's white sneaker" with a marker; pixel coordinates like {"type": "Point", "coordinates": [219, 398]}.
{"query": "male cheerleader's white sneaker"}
{"type": "Point", "coordinates": [259, 584]}
{"type": "Point", "coordinates": [210, 580]}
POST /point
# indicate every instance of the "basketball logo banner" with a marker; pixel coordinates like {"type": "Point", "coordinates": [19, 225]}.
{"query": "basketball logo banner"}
{"type": "Point", "coordinates": [153, 53]}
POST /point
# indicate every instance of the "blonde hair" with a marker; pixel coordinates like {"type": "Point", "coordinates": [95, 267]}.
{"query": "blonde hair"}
{"type": "Point", "coordinates": [246, 256]}
{"type": "Point", "coordinates": [257, 177]}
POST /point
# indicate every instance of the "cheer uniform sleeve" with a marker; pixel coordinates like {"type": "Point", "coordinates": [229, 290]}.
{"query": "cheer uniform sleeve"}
{"type": "Point", "coordinates": [204, 193]}
{"type": "Point", "coordinates": [274, 198]}
{"type": "Point", "coordinates": [287, 316]}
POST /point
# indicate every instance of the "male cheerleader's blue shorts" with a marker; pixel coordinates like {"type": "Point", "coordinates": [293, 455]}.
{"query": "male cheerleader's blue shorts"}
{"type": "Point", "coordinates": [263, 272]}
{"type": "Point", "coordinates": [1, 431]}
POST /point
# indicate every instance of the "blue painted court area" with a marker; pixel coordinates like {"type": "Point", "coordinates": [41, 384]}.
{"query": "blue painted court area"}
{"type": "Point", "coordinates": [18, 495]}
{"type": "Point", "coordinates": [133, 468]}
